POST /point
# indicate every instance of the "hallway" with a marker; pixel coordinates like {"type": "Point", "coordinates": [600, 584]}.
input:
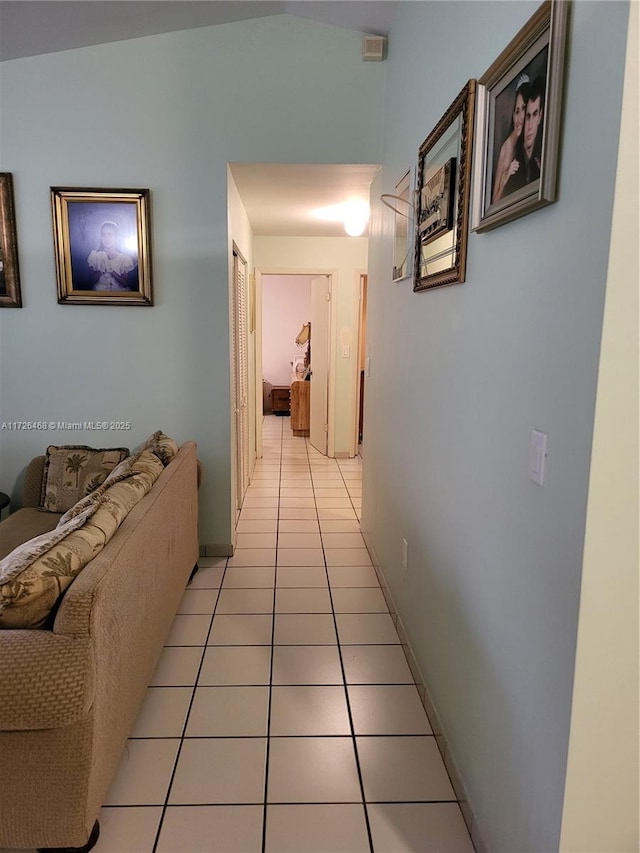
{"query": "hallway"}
{"type": "Point", "coordinates": [282, 716]}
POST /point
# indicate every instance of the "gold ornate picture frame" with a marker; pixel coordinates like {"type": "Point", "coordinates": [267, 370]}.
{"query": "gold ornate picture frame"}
{"type": "Point", "coordinates": [10, 294]}
{"type": "Point", "coordinates": [102, 241]}
{"type": "Point", "coordinates": [442, 196]}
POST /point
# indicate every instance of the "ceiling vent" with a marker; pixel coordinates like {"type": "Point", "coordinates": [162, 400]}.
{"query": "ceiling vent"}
{"type": "Point", "coordinates": [374, 48]}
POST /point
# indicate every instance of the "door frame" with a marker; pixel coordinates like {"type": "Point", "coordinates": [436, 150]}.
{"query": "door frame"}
{"type": "Point", "coordinates": [241, 410]}
{"type": "Point", "coordinates": [256, 308]}
{"type": "Point", "coordinates": [332, 273]}
{"type": "Point", "coordinates": [360, 313]}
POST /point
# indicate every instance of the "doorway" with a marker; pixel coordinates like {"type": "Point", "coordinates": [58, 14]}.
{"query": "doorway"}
{"type": "Point", "coordinates": [290, 301]}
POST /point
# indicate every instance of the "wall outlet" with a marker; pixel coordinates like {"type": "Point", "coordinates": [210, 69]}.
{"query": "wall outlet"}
{"type": "Point", "coordinates": [405, 554]}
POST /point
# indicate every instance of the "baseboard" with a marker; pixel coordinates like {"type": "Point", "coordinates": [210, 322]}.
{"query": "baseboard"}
{"type": "Point", "coordinates": [217, 550]}
{"type": "Point", "coordinates": [438, 729]}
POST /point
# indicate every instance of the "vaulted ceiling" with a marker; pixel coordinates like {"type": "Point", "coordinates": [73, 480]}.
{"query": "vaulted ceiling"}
{"type": "Point", "coordinates": [31, 27]}
{"type": "Point", "coordinates": [280, 199]}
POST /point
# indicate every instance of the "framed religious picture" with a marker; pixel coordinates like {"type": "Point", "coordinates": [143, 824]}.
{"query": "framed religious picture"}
{"type": "Point", "coordinates": [102, 242]}
{"type": "Point", "coordinates": [442, 196]}
{"type": "Point", "coordinates": [519, 107]}
{"type": "Point", "coordinates": [10, 296]}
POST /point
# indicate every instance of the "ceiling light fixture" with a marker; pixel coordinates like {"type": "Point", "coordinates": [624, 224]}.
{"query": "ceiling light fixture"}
{"type": "Point", "coordinates": [354, 214]}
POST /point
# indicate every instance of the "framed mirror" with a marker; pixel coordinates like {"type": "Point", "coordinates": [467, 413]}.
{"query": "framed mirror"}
{"type": "Point", "coordinates": [443, 186]}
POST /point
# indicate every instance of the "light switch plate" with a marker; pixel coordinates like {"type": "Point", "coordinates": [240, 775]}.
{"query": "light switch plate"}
{"type": "Point", "coordinates": [537, 456]}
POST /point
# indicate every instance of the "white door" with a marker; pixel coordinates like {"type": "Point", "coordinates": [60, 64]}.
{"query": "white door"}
{"type": "Point", "coordinates": [320, 313]}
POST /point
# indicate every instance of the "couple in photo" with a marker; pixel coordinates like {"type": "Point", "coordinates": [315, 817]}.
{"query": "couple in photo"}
{"type": "Point", "coordinates": [519, 161]}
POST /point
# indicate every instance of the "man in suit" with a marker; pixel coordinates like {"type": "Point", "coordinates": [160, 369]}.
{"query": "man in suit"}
{"type": "Point", "coordinates": [529, 148]}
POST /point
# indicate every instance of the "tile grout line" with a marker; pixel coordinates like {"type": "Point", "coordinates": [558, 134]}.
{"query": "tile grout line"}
{"type": "Point", "coordinates": [273, 629]}
{"type": "Point", "coordinates": [193, 692]}
{"type": "Point", "coordinates": [344, 682]}
{"type": "Point", "coordinates": [187, 715]}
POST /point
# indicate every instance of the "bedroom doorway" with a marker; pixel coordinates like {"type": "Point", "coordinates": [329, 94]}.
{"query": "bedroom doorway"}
{"type": "Point", "coordinates": [290, 300]}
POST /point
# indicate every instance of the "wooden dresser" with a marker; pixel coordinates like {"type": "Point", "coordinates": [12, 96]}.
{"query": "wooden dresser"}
{"type": "Point", "coordinates": [280, 399]}
{"type": "Point", "coordinates": [300, 400]}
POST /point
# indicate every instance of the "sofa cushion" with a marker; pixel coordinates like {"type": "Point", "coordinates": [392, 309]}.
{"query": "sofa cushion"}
{"type": "Point", "coordinates": [29, 593]}
{"type": "Point", "coordinates": [72, 471]}
{"type": "Point", "coordinates": [23, 525]}
{"type": "Point", "coordinates": [164, 447]}
{"type": "Point", "coordinates": [123, 470]}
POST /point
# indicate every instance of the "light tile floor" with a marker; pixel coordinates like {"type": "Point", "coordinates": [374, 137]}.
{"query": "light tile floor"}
{"type": "Point", "coordinates": [282, 716]}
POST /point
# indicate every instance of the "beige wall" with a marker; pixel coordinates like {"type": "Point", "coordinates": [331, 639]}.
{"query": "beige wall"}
{"type": "Point", "coordinates": [601, 794]}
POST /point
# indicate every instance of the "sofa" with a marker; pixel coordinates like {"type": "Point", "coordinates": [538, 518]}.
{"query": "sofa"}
{"type": "Point", "coordinates": [71, 690]}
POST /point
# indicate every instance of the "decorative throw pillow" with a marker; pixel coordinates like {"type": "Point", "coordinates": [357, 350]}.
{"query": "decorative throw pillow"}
{"type": "Point", "coordinates": [139, 462]}
{"type": "Point", "coordinates": [73, 471]}
{"type": "Point", "coordinates": [33, 577]}
{"type": "Point", "coordinates": [164, 447]}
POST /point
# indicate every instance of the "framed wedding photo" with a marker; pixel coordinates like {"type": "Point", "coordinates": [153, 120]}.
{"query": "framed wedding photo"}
{"type": "Point", "coordinates": [102, 241]}
{"type": "Point", "coordinates": [518, 111]}
{"type": "Point", "coordinates": [10, 296]}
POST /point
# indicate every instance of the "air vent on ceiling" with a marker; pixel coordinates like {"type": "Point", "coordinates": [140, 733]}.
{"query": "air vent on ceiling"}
{"type": "Point", "coordinates": [374, 48]}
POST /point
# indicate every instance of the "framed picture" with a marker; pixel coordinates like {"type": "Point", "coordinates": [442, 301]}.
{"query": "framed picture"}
{"type": "Point", "coordinates": [9, 277]}
{"type": "Point", "coordinates": [299, 369]}
{"type": "Point", "coordinates": [102, 242]}
{"type": "Point", "coordinates": [437, 202]}
{"type": "Point", "coordinates": [518, 121]}
{"type": "Point", "coordinates": [442, 196]}
{"type": "Point", "coordinates": [403, 209]}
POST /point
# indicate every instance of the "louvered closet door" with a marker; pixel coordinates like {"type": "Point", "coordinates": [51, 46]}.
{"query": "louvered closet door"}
{"type": "Point", "coordinates": [241, 374]}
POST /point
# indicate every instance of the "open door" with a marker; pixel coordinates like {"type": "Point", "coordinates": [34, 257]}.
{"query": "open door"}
{"type": "Point", "coordinates": [320, 313]}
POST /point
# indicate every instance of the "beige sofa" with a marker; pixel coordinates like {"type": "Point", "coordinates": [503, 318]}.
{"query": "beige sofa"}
{"type": "Point", "coordinates": [69, 696]}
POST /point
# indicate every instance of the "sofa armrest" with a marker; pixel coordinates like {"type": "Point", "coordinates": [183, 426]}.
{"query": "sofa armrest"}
{"type": "Point", "coordinates": [47, 679]}
{"type": "Point", "coordinates": [32, 487]}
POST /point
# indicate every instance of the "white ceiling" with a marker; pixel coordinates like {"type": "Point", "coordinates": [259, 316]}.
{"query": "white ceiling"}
{"type": "Point", "coordinates": [279, 198]}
